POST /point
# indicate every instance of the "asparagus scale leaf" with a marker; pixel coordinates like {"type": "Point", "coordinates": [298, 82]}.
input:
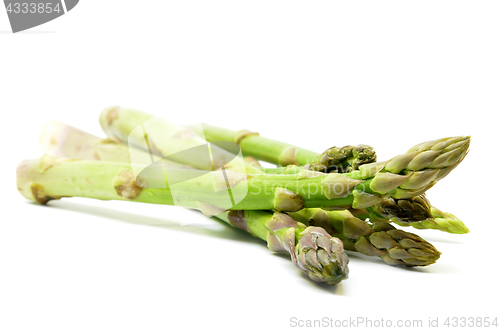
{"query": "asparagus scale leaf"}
{"type": "Point", "coordinates": [413, 209]}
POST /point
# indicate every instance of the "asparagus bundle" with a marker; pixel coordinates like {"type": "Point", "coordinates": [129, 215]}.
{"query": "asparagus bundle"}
{"type": "Point", "coordinates": [169, 171]}
{"type": "Point", "coordinates": [338, 224]}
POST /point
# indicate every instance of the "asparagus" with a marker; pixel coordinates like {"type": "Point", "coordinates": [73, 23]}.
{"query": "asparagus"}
{"type": "Point", "coordinates": [442, 221]}
{"type": "Point", "coordinates": [51, 177]}
{"type": "Point", "coordinates": [312, 249]}
{"type": "Point", "coordinates": [335, 159]}
{"type": "Point", "coordinates": [421, 161]}
{"type": "Point", "coordinates": [393, 246]}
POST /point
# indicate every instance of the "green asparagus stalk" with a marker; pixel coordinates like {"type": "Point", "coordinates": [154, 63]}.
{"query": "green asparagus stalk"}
{"type": "Point", "coordinates": [312, 249]}
{"type": "Point", "coordinates": [51, 177]}
{"type": "Point", "coordinates": [441, 221]}
{"type": "Point", "coordinates": [422, 160]}
{"type": "Point", "coordinates": [262, 148]}
{"type": "Point", "coordinates": [393, 246]}
{"type": "Point", "coordinates": [335, 159]}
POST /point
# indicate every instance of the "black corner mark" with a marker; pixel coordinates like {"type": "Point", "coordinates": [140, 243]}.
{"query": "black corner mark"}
{"type": "Point", "coordinates": [70, 4]}
{"type": "Point", "coordinates": [26, 14]}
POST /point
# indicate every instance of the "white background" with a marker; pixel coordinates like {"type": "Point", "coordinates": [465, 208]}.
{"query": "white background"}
{"type": "Point", "coordinates": [386, 73]}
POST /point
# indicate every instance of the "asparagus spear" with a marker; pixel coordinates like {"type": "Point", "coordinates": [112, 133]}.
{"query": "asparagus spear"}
{"type": "Point", "coordinates": [441, 221]}
{"type": "Point", "coordinates": [262, 148]}
{"type": "Point", "coordinates": [312, 249]}
{"type": "Point", "coordinates": [421, 161]}
{"type": "Point", "coordinates": [425, 163]}
{"type": "Point", "coordinates": [335, 159]}
{"type": "Point", "coordinates": [51, 177]}
{"type": "Point", "coordinates": [395, 247]}
{"type": "Point", "coordinates": [430, 155]}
